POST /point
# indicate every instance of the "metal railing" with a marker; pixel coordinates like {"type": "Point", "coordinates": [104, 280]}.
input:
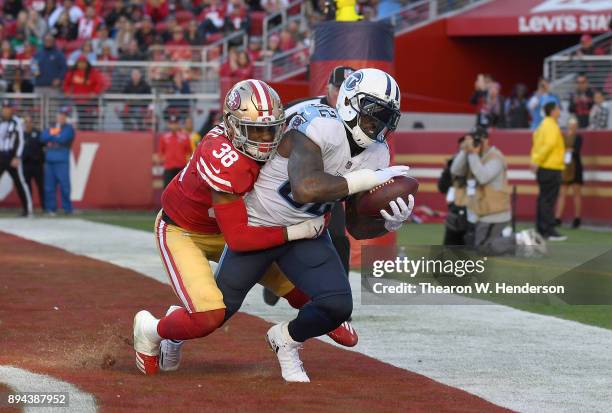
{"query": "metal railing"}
{"type": "Point", "coordinates": [423, 12]}
{"type": "Point", "coordinates": [562, 68]}
{"type": "Point", "coordinates": [115, 112]}
{"type": "Point", "coordinates": [277, 21]}
{"type": "Point", "coordinates": [203, 77]}
{"type": "Point", "coordinates": [283, 65]}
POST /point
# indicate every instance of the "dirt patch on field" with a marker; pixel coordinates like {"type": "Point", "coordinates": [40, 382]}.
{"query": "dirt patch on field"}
{"type": "Point", "coordinates": [70, 317]}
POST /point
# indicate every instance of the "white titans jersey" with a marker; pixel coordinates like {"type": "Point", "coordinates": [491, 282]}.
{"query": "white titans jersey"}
{"type": "Point", "coordinates": [271, 203]}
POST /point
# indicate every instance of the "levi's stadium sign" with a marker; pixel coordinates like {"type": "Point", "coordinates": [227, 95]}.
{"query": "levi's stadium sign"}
{"type": "Point", "coordinates": [502, 17]}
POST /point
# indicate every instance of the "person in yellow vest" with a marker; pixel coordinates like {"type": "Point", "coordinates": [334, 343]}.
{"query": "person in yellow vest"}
{"type": "Point", "coordinates": [486, 194]}
{"type": "Point", "coordinates": [194, 137]}
{"type": "Point", "coordinates": [547, 153]}
{"type": "Point", "coordinates": [346, 11]}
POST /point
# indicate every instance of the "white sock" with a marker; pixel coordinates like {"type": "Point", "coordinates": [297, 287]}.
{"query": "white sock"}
{"type": "Point", "coordinates": [150, 330]}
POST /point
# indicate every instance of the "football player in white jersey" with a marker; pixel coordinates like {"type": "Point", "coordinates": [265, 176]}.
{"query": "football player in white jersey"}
{"type": "Point", "coordinates": [326, 155]}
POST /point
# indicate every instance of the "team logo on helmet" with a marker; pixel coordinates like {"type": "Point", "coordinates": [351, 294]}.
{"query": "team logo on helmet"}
{"type": "Point", "coordinates": [353, 80]}
{"type": "Point", "coordinates": [233, 101]}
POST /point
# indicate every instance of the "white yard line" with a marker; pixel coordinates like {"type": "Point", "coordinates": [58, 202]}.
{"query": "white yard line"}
{"type": "Point", "coordinates": [523, 361]}
{"type": "Point", "coordinates": [24, 381]}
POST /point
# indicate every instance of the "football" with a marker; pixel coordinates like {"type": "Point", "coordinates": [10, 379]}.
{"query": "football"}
{"type": "Point", "coordinates": [371, 202]}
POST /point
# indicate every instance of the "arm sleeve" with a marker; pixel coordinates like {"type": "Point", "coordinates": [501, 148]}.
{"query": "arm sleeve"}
{"type": "Point", "coordinates": [458, 167]}
{"type": "Point", "coordinates": [232, 218]}
{"type": "Point", "coordinates": [20, 139]}
{"type": "Point", "coordinates": [485, 173]}
{"type": "Point", "coordinates": [65, 136]}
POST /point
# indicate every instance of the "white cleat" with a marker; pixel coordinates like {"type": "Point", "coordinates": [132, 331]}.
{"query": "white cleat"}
{"type": "Point", "coordinates": [286, 350]}
{"type": "Point", "coordinates": [147, 350]}
{"type": "Point", "coordinates": [170, 350]}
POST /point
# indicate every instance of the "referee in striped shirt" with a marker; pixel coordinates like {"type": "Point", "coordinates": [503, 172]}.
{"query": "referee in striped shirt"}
{"type": "Point", "coordinates": [337, 223]}
{"type": "Point", "coordinates": [11, 150]}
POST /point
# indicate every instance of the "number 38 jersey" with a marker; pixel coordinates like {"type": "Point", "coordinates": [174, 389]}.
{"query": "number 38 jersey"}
{"type": "Point", "coordinates": [215, 165]}
{"type": "Point", "coordinates": [271, 203]}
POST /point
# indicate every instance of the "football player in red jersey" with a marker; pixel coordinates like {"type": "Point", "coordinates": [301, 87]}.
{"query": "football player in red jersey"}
{"type": "Point", "coordinates": [203, 209]}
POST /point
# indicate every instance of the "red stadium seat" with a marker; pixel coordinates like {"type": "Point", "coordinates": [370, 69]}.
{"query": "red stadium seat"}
{"type": "Point", "coordinates": [257, 21]}
{"type": "Point", "coordinates": [183, 16]}
{"type": "Point", "coordinates": [213, 37]}
{"type": "Point", "coordinates": [161, 27]}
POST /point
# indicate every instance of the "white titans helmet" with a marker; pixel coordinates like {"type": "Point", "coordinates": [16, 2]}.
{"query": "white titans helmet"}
{"type": "Point", "coordinates": [369, 105]}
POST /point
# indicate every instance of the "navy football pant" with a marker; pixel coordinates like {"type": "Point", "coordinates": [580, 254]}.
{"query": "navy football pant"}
{"type": "Point", "coordinates": [57, 174]}
{"type": "Point", "coordinates": [311, 265]}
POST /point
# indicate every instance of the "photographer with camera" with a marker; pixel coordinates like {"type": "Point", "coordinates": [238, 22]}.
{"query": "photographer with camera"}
{"type": "Point", "coordinates": [486, 194]}
{"type": "Point", "coordinates": [456, 224]}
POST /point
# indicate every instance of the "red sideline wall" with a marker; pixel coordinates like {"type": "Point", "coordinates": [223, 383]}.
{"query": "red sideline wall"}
{"type": "Point", "coordinates": [426, 153]}
{"type": "Point", "coordinates": [108, 170]}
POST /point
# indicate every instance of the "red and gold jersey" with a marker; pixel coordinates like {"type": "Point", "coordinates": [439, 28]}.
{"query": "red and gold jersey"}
{"type": "Point", "coordinates": [214, 166]}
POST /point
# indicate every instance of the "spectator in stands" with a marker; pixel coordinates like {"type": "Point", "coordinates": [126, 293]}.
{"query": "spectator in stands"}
{"type": "Point", "coordinates": [178, 39]}
{"type": "Point", "coordinates": [36, 26]}
{"type": "Point", "coordinates": [536, 103]}
{"type": "Point", "coordinates": [64, 29]}
{"type": "Point", "coordinates": [194, 136]}
{"type": "Point", "coordinates": [20, 83]}
{"type": "Point", "coordinates": [89, 23]}
{"type": "Point", "coordinates": [492, 112]}
{"type": "Point", "coordinates": [236, 17]}
{"type": "Point", "coordinates": [53, 62]}
{"type": "Point", "coordinates": [103, 40]}
{"type": "Point", "coordinates": [106, 55]}
{"type": "Point", "coordinates": [73, 11]}
{"type": "Point", "coordinates": [132, 53]}
{"type": "Point", "coordinates": [273, 47]}
{"type": "Point", "coordinates": [125, 33]}
{"type": "Point", "coordinates": [146, 34]}
{"type": "Point", "coordinates": [6, 51]}
{"type": "Point", "coordinates": [238, 66]}
{"type": "Point", "coordinates": [134, 111]}
{"type": "Point", "coordinates": [11, 8]}
{"type": "Point", "coordinates": [516, 111]}
{"type": "Point", "coordinates": [581, 101]}
{"type": "Point", "coordinates": [293, 27]}
{"type": "Point", "coordinates": [33, 158]}
{"type": "Point", "coordinates": [387, 8]}
{"type": "Point", "coordinates": [84, 82]}
{"type": "Point", "coordinates": [254, 48]}
{"type": "Point", "coordinates": [212, 18]}
{"type": "Point", "coordinates": [118, 10]}
{"type": "Point", "coordinates": [171, 24]}
{"type": "Point", "coordinates": [157, 9]}
{"type": "Point", "coordinates": [479, 97]}
{"type": "Point", "coordinates": [174, 150]}
{"type": "Point", "coordinates": [274, 6]}
{"type": "Point", "coordinates": [180, 86]}
{"type": "Point", "coordinates": [192, 34]}
{"type": "Point", "coordinates": [547, 153]}
{"type": "Point", "coordinates": [586, 46]}
{"type": "Point", "coordinates": [86, 50]}
{"type": "Point", "coordinates": [58, 140]}
{"type": "Point", "coordinates": [572, 174]}
{"type": "Point", "coordinates": [600, 113]}
{"type": "Point", "coordinates": [286, 41]}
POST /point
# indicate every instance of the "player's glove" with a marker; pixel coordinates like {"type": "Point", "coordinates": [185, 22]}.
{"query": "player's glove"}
{"type": "Point", "coordinates": [366, 179]}
{"type": "Point", "coordinates": [401, 212]}
{"type": "Point", "coordinates": [307, 229]}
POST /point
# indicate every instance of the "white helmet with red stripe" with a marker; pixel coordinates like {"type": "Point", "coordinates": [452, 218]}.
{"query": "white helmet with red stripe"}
{"type": "Point", "coordinates": [254, 118]}
{"type": "Point", "coordinates": [369, 105]}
